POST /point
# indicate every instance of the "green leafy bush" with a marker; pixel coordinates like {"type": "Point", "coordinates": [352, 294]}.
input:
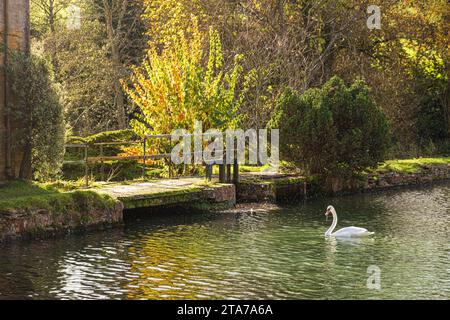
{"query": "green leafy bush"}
{"type": "Point", "coordinates": [333, 131]}
{"type": "Point", "coordinates": [102, 137]}
{"type": "Point", "coordinates": [431, 90]}
{"type": "Point", "coordinates": [38, 114]}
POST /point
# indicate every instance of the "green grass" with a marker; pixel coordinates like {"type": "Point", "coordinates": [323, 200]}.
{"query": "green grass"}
{"type": "Point", "coordinates": [63, 196]}
{"type": "Point", "coordinates": [20, 195]}
{"type": "Point", "coordinates": [284, 166]}
{"type": "Point", "coordinates": [253, 168]}
{"type": "Point", "coordinates": [411, 165]}
{"type": "Point", "coordinates": [243, 168]}
{"type": "Point", "coordinates": [18, 189]}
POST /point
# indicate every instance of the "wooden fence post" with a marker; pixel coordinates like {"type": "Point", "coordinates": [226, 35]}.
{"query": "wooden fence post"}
{"type": "Point", "coordinates": [144, 166]}
{"type": "Point", "coordinates": [209, 172]}
{"type": "Point", "coordinates": [222, 171]}
{"type": "Point", "coordinates": [170, 160]}
{"type": "Point", "coordinates": [86, 170]}
{"type": "Point", "coordinates": [305, 186]}
{"type": "Point", "coordinates": [102, 166]}
{"type": "Point", "coordinates": [236, 171]}
{"type": "Point", "coordinates": [228, 168]}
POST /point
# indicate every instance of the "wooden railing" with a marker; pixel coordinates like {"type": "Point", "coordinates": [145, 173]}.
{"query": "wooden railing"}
{"type": "Point", "coordinates": [227, 173]}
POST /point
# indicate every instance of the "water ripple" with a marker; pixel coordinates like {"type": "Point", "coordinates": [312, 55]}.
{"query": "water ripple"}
{"type": "Point", "coordinates": [254, 254]}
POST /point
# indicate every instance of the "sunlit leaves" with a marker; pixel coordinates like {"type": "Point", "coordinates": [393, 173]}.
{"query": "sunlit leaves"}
{"type": "Point", "coordinates": [173, 88]}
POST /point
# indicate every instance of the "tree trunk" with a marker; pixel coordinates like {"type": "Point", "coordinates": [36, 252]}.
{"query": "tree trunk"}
{"type": "Point", "coordinates": [51, 19]}
{"type": "Point", "coordinates": [119, 97]}
{"type": "Point", "coordinates": [117, 66]}
{"type": "Point", "coordinates": [25, 166]}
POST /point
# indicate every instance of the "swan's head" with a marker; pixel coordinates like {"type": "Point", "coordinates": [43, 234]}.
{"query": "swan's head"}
{"type": "Point", "coordinates": [329, 211]}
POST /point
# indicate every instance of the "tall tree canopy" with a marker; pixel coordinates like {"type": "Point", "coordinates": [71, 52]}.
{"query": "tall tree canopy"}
{"type": "Point", "coordinates": [299, 44]}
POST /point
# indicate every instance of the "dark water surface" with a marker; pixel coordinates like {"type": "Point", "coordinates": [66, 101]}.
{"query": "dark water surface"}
{"type": "Point", "coordinates": [248, 254]}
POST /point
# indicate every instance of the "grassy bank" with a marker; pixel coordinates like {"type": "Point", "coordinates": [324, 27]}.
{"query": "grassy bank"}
{"type": "Point", "coordinates": [405, 165]}
{"type": "Point", "coordinates": [411, 165]}
{"type": "Point", "coordinates": [28, 196]}
{"type": "Point", "coordinates": [389, 174]}
{"type": "Point", "coordinates": [64, 196]}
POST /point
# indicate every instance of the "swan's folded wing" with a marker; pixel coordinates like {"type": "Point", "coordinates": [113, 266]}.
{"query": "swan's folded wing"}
{"type": "Point", "coordinates": [351, 232]}
{"type": "Point", "coordinates": [357, 230]}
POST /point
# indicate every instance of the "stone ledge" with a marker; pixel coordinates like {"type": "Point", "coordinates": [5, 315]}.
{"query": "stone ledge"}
{"type": "Point", "coordinates": [271, 190]}
{"type": "Point", "coordinates": [428, 174]}
{"type": "Point", "coordinates": [42, 223]}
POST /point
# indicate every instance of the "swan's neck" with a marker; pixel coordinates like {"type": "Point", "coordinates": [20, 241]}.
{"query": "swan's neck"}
{"type": "Point", "coordinates": [333, 225]}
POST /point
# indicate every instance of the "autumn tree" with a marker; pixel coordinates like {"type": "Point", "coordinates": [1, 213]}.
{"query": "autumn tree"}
{"type": "Point", "coordinates": [125, 38]}
{"type": "Point", "coordinates": [47, 18]}
{"type": "Point", "coordinates": [300, 44]}
{"type": "Point", "coordinates": [85, 79]}
{"type": "Point", "coordinates": [88, 62]}
{"type": "Point", "coordinates": [175, 88]}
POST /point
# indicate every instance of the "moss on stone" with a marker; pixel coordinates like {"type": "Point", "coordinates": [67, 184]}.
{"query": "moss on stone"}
{"type": "Point", "coordinates": [162, 198]}
{"type": "Point", "coordinates": [210, 206]}
{"type": "Point", "coordinates": [289, 181]}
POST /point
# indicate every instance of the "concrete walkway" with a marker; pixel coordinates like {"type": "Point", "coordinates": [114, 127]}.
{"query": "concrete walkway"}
{"type": "Point", "coordinates": [189, 192]}
{"type": "Point", "coordinates": [150, 188]}
{"type": "Point", "coordinates": [133, 189]}
{"type": "Point", "coordinates": [190, 189]}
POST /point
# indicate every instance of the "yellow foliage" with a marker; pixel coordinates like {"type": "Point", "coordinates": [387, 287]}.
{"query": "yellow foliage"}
{"type": "Point", "coordinates": [173, 88]}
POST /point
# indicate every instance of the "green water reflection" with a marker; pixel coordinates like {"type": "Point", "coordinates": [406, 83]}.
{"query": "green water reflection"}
{"type": "Point", "coordinates": [260, 254]}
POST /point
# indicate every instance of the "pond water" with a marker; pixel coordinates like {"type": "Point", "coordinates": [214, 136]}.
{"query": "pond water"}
{"type": "Point", "coordinates": [278, 253]}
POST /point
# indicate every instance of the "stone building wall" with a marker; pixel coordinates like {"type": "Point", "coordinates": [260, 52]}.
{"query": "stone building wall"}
{"type": "Point", "coordinates": [14, 32]}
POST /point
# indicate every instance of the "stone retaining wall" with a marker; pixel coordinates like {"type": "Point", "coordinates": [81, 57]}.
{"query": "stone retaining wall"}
{"type": "Point", "coordinates": [17, 223]}
{"type": "Point", "coordinates": [270, 191]}
{"type": "Point", "coordinates": [222, 194]}
{"type": "Point", "coordinates": [43, 223]}
{"type": "Point", "coordinates": [293, 189]}
{"type": "Point", "coordinates": [35, 223]}
{"type": "Point", "coordinates": [427, 174]}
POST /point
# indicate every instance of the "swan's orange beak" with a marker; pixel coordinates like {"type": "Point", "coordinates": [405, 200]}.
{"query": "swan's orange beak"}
{"type": "Point", "coordinates": [327, 213]}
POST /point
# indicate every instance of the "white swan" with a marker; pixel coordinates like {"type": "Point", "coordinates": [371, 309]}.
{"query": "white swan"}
{"type": "Point", "coordinates": [349, 232]}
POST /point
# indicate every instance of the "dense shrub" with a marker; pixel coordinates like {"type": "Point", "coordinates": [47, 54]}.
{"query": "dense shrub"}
{"type": "Point", "coordinates": [102, 137]}
{"type": "Point", "coordinates": [112, 136]}
{"type": "Point", "coordinates": [431, 89]}
{"type": "Point", "coordinates": [40, 129]}
{"type": "Point", "coordinates": [334, 131]}
{"type": "Point", "coordinates": [108, 171]}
